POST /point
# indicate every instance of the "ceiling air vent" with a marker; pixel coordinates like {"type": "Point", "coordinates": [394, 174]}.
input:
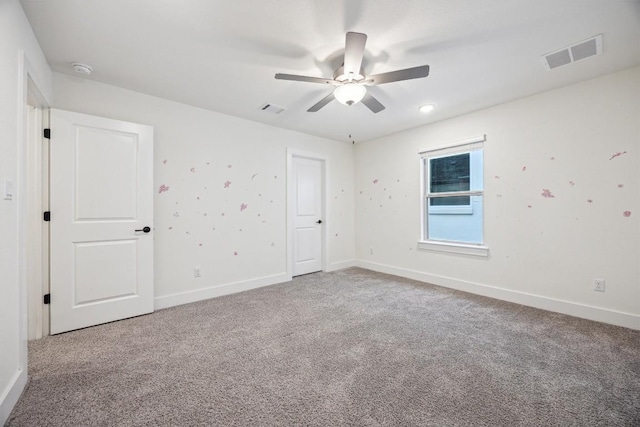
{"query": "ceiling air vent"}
{"type": "Point", "coordinates": [573, 53]}
{"type": "Point", "coordinates": [273, 109]}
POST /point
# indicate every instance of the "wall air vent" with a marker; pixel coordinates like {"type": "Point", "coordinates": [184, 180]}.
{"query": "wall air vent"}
{"type": "Point", "coordinates": [577, 52]}
{"type": "Point", "coordinates": [273, 109]}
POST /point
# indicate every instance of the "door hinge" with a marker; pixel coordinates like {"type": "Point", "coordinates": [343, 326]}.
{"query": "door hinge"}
{"type": "Point", "coordinates": [47, 299]}
{"type": "Point", "coordinates": [47, 216]}
{"type": "Point", "coordinates": [47, 133]}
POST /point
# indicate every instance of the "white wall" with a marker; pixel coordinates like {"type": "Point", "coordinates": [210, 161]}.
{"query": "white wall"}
{"type": "Point", "coordinates": [198, 221]}
{"type": "Point", "coordinates": [20, 55]}
{"type": "Point", "coordinates": [543, 251]}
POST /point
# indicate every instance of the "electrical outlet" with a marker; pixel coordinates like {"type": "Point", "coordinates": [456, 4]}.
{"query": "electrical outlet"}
{"type": "Point", "coordinates": [196, 272]}
{"type": "Point", "coordinates": [598, 285]}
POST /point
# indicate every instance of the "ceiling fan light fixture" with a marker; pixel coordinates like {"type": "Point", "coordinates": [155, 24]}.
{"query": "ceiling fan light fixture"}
{"type": "Point", "coordinates": [349, 93]}
{"type": "Point", "coordinates": [427, 108]}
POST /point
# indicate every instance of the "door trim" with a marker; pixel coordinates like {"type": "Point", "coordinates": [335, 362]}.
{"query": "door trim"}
{"type": "Point", "coordinates": [33, 232]}
{"type": "Point", "coordinates": [27, 78]}
{"type": "Point", "coordinates": [37, 195]}
{"type": "Point", "coordinates": [291, 154]}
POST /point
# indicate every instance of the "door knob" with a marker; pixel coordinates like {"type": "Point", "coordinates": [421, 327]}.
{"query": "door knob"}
{"type": "Point", "coordinates": [145, 229]}
{"type": "Point", "coordinates": [319, 221]}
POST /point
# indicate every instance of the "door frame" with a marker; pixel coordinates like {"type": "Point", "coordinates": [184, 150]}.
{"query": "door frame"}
{"type": "Point", "coordinates": [324, 161]}
{"type": "Point", "coordinates": [32, 231]}
{"type": "Point", "coordinates": [37, 230]}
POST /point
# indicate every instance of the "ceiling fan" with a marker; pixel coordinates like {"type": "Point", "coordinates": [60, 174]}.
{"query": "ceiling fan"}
{"type": "Point", "coordinates": [350, 81]}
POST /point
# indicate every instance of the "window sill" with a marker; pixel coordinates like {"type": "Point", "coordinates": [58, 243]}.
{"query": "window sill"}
{"type": "Point", "coordinates": [455, 248]}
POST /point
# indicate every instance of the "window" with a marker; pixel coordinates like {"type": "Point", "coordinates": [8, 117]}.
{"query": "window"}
{"type": "Point", "coordinates": [452, 198]}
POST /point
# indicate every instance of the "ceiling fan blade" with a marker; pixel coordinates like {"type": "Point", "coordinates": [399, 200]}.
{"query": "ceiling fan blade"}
{"type": "Point", "coordinates": [324, 101]}
{"type": "Point", "coordinates": [297, 78]}
{"type": "Point", "coordinates": [396, 76]}
{"type": "Point", "coordinates": [353, 53]}
{"type": "Point", "coordinates": [372, 103]}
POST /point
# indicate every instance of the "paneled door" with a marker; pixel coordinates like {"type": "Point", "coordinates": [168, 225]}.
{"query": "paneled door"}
{"type": "Point", "coordinates": [307, 215]}
{"type": "Point", "coordinates": [101, 203]}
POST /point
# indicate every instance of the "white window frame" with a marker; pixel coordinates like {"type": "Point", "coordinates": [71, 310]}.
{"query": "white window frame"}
{"type": "Point", "coordinates": [460, 147]}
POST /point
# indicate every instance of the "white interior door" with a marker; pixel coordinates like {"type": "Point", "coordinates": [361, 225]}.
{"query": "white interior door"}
{"type": "Point", "coordinates": [307, 215]}
{"type": "Point", "coordinates": [101, 189]}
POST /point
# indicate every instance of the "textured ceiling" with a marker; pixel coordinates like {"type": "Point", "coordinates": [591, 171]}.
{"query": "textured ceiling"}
{"type": "Point", "coordinates": [222, 55]}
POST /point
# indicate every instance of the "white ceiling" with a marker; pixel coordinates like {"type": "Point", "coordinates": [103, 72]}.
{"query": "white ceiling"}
{"type": "Point", "coordinates": [222, 55]}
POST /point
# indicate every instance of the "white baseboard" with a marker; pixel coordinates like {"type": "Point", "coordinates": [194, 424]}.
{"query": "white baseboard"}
{"type": "Point", "coordinates": [217, 291]}
{"type": "Point", "coordinates": [341, 265]}
{"type": "Point", "coordinates": [10, 397]}
{"type": "Point", "coordinates": [598, 314]}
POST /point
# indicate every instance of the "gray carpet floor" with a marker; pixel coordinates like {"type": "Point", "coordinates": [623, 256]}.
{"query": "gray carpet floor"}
{"type": "Point", "coordinates": [352, 348]}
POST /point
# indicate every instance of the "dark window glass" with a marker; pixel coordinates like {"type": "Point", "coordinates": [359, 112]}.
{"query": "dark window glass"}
{"type": "Point", "coordinates": [448, 174]}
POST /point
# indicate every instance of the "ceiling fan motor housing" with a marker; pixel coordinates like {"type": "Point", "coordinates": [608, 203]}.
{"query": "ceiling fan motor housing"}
{"type": "Point", "coordinates": [340, 75]}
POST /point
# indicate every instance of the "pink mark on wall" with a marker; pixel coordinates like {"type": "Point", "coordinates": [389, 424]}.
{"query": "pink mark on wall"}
{"type": "Point", "coordinates": [589, 201]}
{"type": "Point", "coordinates": [571, 183]}
{"type": "Point", "coordinates": [529, 206]}
{"type": "Point", "coordinates": [193, 170]}
{"type": "Point", "coordinates": [243, 206]}
{"type": "Point", "coordinates": [552, 158]}
{"type": "Point", "coordinates": [229, 166]}
{"type": "Point", "coordinates": [199, 244]}
{"type": "Point", "coordinates": [626, 214]}
{"type": "Point", "coordinates": [163, 188]}
{"type": "Point", "coordinates": [620, 185]}
{"type": "Point", "coordinates": [524, 169]}
{"type": "Point", "coordinates": [375, 181]}
{"type": "Point", "coordinates": [164, 161]}
{"type": "Point", "coordinates": [618, 154]}
{"type": "Point", "coordinates": [497, 177]}
{"type": "Point", "coordinates": [235, 253]}
{"type": "Point", "coordinates": [227, 184]}
{"type": "Point", "coordinates": [546, 193]}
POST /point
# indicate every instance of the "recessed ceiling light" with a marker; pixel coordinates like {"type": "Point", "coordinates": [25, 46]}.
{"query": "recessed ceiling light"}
{"type": "Point", "coordinates": [82, 68]}
{"type": "Point", "coordinates": [427, 108]}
